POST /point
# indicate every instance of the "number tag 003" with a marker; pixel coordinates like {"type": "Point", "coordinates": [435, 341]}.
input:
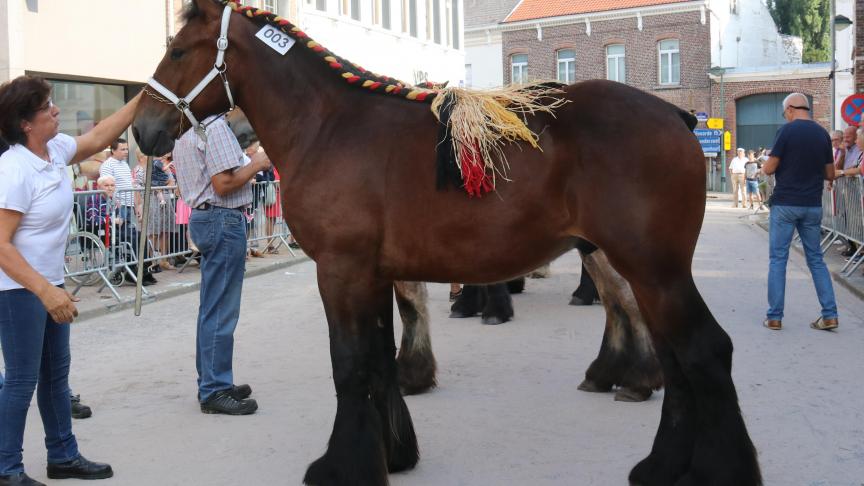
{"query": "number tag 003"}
{"type": "Point", "coordinates": [275, 39]}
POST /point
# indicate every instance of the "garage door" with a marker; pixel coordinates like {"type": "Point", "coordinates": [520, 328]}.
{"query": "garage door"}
{"type": "Point", "coordinates": [758, 117]}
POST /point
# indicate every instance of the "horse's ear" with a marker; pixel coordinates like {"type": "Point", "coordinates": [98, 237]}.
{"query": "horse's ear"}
{"type": "Point", "coordinates": [208, 9]}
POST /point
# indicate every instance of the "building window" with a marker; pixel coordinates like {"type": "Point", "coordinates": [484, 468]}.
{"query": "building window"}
{"type": "Point", "coordinates": [429, 20]}
{"type": "Point", "coordinates": [270, 6]}
{"type": "Point", "coordinates": [456, 24]}
{"type": "Point", "coordinates": [566, 65]}
{"type": "Point", "coordinates": [615, 70]}
{"type": "Point", "coordinates": [448, 9]}
{"type": "Point", "coordinates": [321, 5]}
{"type": "Point", "coordinates": [669, 62]}
{"type": "Point", "coordinates": [409, 16]}
{"type": "Point", "coordinates": [436, 20]}
{"type": "Point", "coordinates": [350, 8]}
{"type": "Point", "coordinates": [469, 78]}
{"type": "Point", "coordinates": [519, 69]}
{"type": "Point", "coordinates": [385, 14]}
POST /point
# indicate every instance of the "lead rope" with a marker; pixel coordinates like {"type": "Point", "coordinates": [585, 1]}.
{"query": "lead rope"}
{"type": "Point", "coordinates": [142, 237]}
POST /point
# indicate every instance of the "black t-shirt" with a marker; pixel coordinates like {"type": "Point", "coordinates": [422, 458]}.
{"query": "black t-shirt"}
{"type": "Point", "coordinates": [804, 149]}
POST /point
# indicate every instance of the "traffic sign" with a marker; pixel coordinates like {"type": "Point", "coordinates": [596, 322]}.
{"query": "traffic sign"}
{"type": "Point", "coordinates": [701, 116]}
{"type": "Point", "coordinates": [727, 140]}
{"type": "Point", "coordinates": [715, 123]}
{"type": "Point", "coordinates": [709, 140]}
{"type": "Point", "coordinates": [852, 108]}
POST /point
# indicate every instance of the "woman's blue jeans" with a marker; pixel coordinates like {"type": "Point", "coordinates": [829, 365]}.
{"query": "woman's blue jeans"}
{"type": "Point", "coordinates": [36, 354]}
{"type": "Point", "coordinates": [784, 221]}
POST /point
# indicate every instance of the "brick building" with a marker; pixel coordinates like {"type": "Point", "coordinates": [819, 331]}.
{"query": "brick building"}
{"type": "Point", "coordinates": [663, 49]}
{"type": "Point", "coordinates": [859, 46]}
{"type": "Point", "coordinates": [677, 51]}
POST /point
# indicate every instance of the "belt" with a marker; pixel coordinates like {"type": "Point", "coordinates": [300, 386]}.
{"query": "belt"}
{"type": "Point", "coordinates": [207, 206]}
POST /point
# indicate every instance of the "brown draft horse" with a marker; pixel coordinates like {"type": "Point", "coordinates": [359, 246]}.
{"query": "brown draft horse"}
{"type": "Point", "coordinates": [359, 192]}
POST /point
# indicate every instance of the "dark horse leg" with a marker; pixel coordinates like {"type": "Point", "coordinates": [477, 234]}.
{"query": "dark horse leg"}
{"type": "Point", "coordinates": [627, 358]}
{"type": "Point", "coordinates": [702, 439]}
{"type": "Point", "coordinates": [372, 432]}
{"type": "Point", "coordinates": [492, 301]}
{"type": "Point", "coordinates": [416, 362]}
{"type": "Point", "coordinates": [586, 293]}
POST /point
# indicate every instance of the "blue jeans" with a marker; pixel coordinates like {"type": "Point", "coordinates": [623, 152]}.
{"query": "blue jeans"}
{"type": "Point", "coordinates": [784, 220]}
{"type": "Point", "coordinates": [36, 354]}
{"type": "Point", "coordinates": [220, 235]}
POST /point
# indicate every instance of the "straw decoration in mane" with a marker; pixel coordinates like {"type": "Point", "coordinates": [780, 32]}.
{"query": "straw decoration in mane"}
{"type": "Point", "coordinates": [361, 191]}
{"type": "Point", "coordinates": [475, 124]}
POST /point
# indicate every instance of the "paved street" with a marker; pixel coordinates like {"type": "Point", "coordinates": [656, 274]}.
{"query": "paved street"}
{"type": "Point", "coordinates": [507, 411]}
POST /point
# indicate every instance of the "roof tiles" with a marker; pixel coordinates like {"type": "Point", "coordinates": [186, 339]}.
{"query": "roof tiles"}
{"type": "Point", "coordinates": [538, 9]}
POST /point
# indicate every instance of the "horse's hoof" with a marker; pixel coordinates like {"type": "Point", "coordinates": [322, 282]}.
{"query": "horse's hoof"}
{"type": "Point", "coordinates": [577, 301]}
{"type": "Point", "coordinates": [632, 395]}
{"type": "Point", "coordinates": [593, 387]}
{"type": "Point", "coordinates": [460, 315]}
{"type": "Point", "coordinates": [493, 320]}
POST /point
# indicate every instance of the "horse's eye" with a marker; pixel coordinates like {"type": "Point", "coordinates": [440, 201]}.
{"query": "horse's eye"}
{"type": "Point", "coordinates": [176, 54]}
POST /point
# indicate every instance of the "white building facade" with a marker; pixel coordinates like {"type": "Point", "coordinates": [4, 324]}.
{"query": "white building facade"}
{"type": "Point", "coordinates": [410, 40]}
{"type": "Point", "coordinates": [99, 53]}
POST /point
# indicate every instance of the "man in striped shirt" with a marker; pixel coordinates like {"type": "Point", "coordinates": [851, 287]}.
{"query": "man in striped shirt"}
{"type": "Point", "coordinates": [215, 183]}
{"type": "Point", "coordinates": [116, 166]}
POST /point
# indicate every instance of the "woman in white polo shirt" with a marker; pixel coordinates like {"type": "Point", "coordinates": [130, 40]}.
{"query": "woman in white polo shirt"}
{"type": "Point", "coordinates": [35, 310]}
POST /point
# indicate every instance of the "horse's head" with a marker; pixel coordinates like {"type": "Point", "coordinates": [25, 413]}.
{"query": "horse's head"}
{"type": "Point", "coordinates": [182, 76]}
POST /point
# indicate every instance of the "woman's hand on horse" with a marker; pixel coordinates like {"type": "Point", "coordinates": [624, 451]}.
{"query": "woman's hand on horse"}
{"type": "Point", "coordinates": [60, 304]}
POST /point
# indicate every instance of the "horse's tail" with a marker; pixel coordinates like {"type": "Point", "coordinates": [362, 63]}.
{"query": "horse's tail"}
{"type": "Point", "coordinates": [688, 118]}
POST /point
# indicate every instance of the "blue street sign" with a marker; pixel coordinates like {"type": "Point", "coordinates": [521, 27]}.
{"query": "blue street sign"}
{"type": "Point", "coordinates": [709, 139]}
{"type": "Point", "coordinates": [701, 116]}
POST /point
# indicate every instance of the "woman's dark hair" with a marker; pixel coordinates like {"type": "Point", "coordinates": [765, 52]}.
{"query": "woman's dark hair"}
{"type": "Point", "coordinates": [21, 99]}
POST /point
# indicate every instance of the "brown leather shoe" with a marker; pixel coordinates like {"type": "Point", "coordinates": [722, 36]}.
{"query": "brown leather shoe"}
{"type": "Point", "coordinates": [773, 324]}
{"type": "Point", "coordinates": [823, 324]}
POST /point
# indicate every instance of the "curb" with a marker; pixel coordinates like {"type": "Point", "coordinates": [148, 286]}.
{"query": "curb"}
{"type": "Point", "coordinates": [836, 276]}
{"type": "Point", "coordinates": [182, 290]}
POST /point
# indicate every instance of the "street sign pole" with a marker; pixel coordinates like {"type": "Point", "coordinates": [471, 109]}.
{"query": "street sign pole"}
{"type": "Point", "coordinates": [722, 152]}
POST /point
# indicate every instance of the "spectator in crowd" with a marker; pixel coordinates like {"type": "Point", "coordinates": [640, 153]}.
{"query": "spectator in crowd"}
{"type": "Point", "coordinates": [801, 159]}
{"type": "Point", "coordinates": [117, 167]}
{"type": "Point", "coordinates": [103, 218]}
{"type": "Point", "coordinates": [838, 148]}
{"type": "Point", "coordinates": [160, 214]}
{"type": "Point", "coordinates": [259, 193]}
{"type": "Point", "coordinates": [736, 171]}
{"type": "Point", "coordinates": [853, 154]}
{"type": "Point", "coordinates": [35, 309]}
{"type": "Point", "coordinates": [751, 178]}
{"type": "Point", "coordinates": [850, 168]}
{"type": "Point", "coordinates": [216, 184]}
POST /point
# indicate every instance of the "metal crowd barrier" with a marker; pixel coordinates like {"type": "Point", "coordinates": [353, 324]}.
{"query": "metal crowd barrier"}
{"type": "Point", "coordinates": [102, 247]}
{"type": "Point", "coordinates": [843, 217]}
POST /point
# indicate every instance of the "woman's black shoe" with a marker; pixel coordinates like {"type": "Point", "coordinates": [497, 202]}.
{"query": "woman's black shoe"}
{"type": "Point", "coordinates": [19, 479]}
{"type": "Point", "coordinates": [224, 402]}
{"type": "Point", "coordinates": [79, 468]}
{"type": "Point", "coordinates": [155, 269]}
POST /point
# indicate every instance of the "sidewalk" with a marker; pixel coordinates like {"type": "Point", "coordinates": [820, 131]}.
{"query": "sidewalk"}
{"type": "Point", "coordinates": [171, 283]}
{"type": "Point", "coordinates": [833, 259]}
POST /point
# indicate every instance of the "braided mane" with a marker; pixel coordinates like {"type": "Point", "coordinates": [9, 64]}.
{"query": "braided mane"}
{"type": "Point", "coordinates": [350, 72]}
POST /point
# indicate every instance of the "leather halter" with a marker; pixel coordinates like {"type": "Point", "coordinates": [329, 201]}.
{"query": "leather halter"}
{"type": "Point", "coordinates": [219, 69]}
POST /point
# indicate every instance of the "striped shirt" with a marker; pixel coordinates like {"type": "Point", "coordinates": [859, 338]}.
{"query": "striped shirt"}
{"type": "Point", "coordinates": [196, 162]}
{"type": "Point", "coordinates": [119, 170]}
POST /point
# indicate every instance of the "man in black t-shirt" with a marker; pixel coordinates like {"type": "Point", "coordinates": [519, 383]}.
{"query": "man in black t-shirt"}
{"type": "Point", "coordinates": [801, 160]}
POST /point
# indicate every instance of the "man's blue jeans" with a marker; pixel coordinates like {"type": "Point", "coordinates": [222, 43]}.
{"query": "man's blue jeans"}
{"type": "Point", "coordinates": [220, 235]}
{"type": "Point", "coordinates": [36, 355]}
{"type": "Point", "coordinates": [784, 220]}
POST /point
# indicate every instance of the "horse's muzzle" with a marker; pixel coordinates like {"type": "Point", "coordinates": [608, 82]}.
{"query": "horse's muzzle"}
{"type": "Point", "coordinates": [152, 140]}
